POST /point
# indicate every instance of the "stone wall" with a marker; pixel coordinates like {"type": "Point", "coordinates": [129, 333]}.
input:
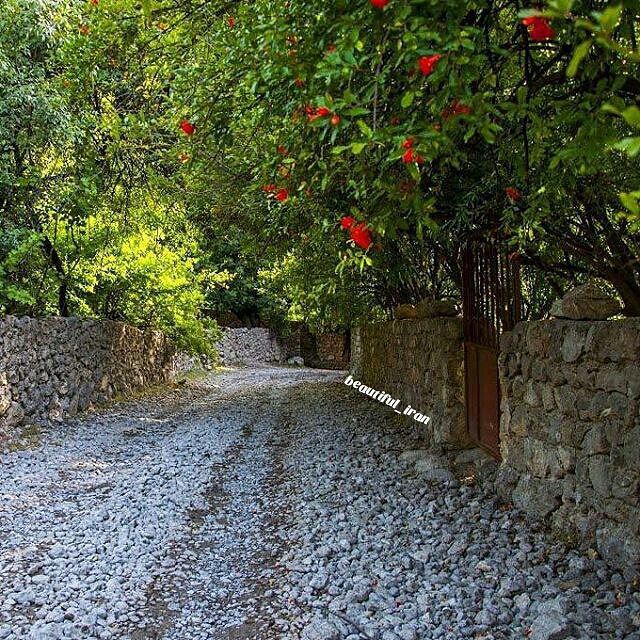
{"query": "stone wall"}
{"type": "Point", "coordinates": [570, 429]}
{"type": "Point", "coordinates": [324, 350]}
{"type": "Point", "coordinates": [250, 346]}
{"type": "Point", "coordinates": [420, 362]}
{"type": "Point", "coordinates": [53, 367]}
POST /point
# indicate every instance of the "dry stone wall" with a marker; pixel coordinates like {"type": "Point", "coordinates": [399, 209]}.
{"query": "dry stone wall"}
{"type": "Point", "coordinates": [420, 362]}
{"type": "Point", "coordinates": [570, 429]}
{"type": "Point", "coordinates": [324, 350]}
{"type": "Point", "coordinates": [260, 345]}
{"type": "Point", "coordinates": [54, 367]}
{"type": "Point", "coordinates": [250, 346]}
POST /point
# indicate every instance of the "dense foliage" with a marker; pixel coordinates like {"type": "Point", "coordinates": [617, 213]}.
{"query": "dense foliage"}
{"type": "Point", "coordinates": [427, 120]}
{"type": "Point", "coordinates": [169, 160]}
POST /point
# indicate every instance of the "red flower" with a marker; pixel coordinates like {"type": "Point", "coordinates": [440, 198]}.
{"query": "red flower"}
{"type": "Point", "coordinates": [428, 64]}
{"type": "Point", "coordinates": [411, 156]}
{"type": "Point", "coordinates": [231, 21]}
{"type": "Point", "coordinates": [539, 28]}
{"type": "Point", "coordinates": [347, 222]}
{"type": "Point", "coordinates": [269, 188]}
{"type": "Point", "coordinates": [332, 48]}
{"type": "Point", "coordinates": [513, 194]}
{"type": "Point", "coordinates": [408, 143]}
{"type": "Point", "coordinates": [184, 158]}
{"type": "Point", "coordinates": [318, 112]}
{"type": "Point", "coordinates": [84, 29]}
{"type": "Point", "coordinates": [456, 109]}
{"type": "Point", "coordinates": [188, 128]}
{"type": "Point", "coordinates": [335, 120]}
{"type": "Point", "coordinates": [361, 235]}
{"type": "Point", "coordinates": [93, 2]}
{"type": "Point", "coordinates": [299, 82]}
{"type": "Point", "coordinates": [282, 195]}
{"type": "Point", "coordinates": [282, 150]}
{"type": "Point", "coordinates": [380, 4]}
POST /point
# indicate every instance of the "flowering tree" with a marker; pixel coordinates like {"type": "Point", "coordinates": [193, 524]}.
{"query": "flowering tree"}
{"type": "Point", "coordinates": [429, 119]}
{"type": "Point", "coordinates": [372, 126]}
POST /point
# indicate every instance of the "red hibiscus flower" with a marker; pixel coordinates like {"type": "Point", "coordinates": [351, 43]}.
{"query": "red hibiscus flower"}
{"type": "Point", "coordinates": [539, 28]}
{"type": "Point", "coordinates": [282, 195]}
{"type": "Point", "coordinates": [188, 128]}
{"type": "Point", "coordinates": [231, 21]}
{"type": "Point", "coordinates": [361, 235]}
{"type": "Point", "coordinates": [380, 4]}
{"type": "Point", "coordinates": [513, 194]}
{"type": "Point", "coordinates": [347, 222]}
{"type": "Point", "coordinates": [269, 188]}
{"type": "Point", "coordinates": [428, 64]}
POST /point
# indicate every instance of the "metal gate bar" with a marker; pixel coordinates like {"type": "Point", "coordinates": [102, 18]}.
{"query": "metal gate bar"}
{"type": "Point", "coordinates": [492, 304]}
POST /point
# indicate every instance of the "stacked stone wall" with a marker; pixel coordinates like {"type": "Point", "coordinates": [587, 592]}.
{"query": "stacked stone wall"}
{"type": "Point", "coordinates": [240, 346]}
{"type": "Point", "coordinates": [55, 367]}
{"type": "Point", "coordinates": [324, 350]}
{"type": "Point", "coordinates": [420, 362]}
{"type": "Point", "coordinates": [570, 429]}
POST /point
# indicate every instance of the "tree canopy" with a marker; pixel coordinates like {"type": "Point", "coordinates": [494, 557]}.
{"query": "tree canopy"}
{"type": "Point", "coordinates": [313, 161]}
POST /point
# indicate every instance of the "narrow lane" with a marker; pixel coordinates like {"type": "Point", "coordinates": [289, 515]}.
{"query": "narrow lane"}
{"type": "Point", "coordinates": [273, 504]}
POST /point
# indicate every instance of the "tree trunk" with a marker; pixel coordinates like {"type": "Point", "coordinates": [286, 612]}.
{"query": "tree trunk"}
{"type": "Point", "coordinates": [53, 256]}
{"type": "Point", "coordinates": [629, 291]}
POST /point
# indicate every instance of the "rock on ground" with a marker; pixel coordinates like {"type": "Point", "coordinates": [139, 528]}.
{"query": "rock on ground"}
{"type": "Point", "coordinates": [275, 504]}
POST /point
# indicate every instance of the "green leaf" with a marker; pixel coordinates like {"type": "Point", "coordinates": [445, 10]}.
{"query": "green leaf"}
{"type": "Point", "coordinates": [610, 108]}
{"type": "Point", "coordinates": [413, 172]}
{"type": "Point", "coordinates": [610, 17]}
{"type": "Point", "coordinates": [631, 201]}
{"type": "Point", "coordinates": [632, 116]}
{"type": "Point", "coordinates": [631, 146]}
{"type": "Point", "coordinates": [407, 99]}
{"type": "Point", "coordinates": [358, 147]}
{"type": "Point", "coordinates": [359, 111]}
{"type": "Point", "coordinates": [561, 6]}
{"type": "Point", "coordinates": [578, 56]}
{"type": "Point", "coordinates": [364, 127]}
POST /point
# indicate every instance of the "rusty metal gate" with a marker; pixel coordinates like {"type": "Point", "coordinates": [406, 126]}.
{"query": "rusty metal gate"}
{"type": "Point", "coordinates": [492, 304]}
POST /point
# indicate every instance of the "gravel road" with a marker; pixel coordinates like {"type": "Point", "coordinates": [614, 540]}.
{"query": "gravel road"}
{"type": "Point", "coordinates": [274, 503]}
